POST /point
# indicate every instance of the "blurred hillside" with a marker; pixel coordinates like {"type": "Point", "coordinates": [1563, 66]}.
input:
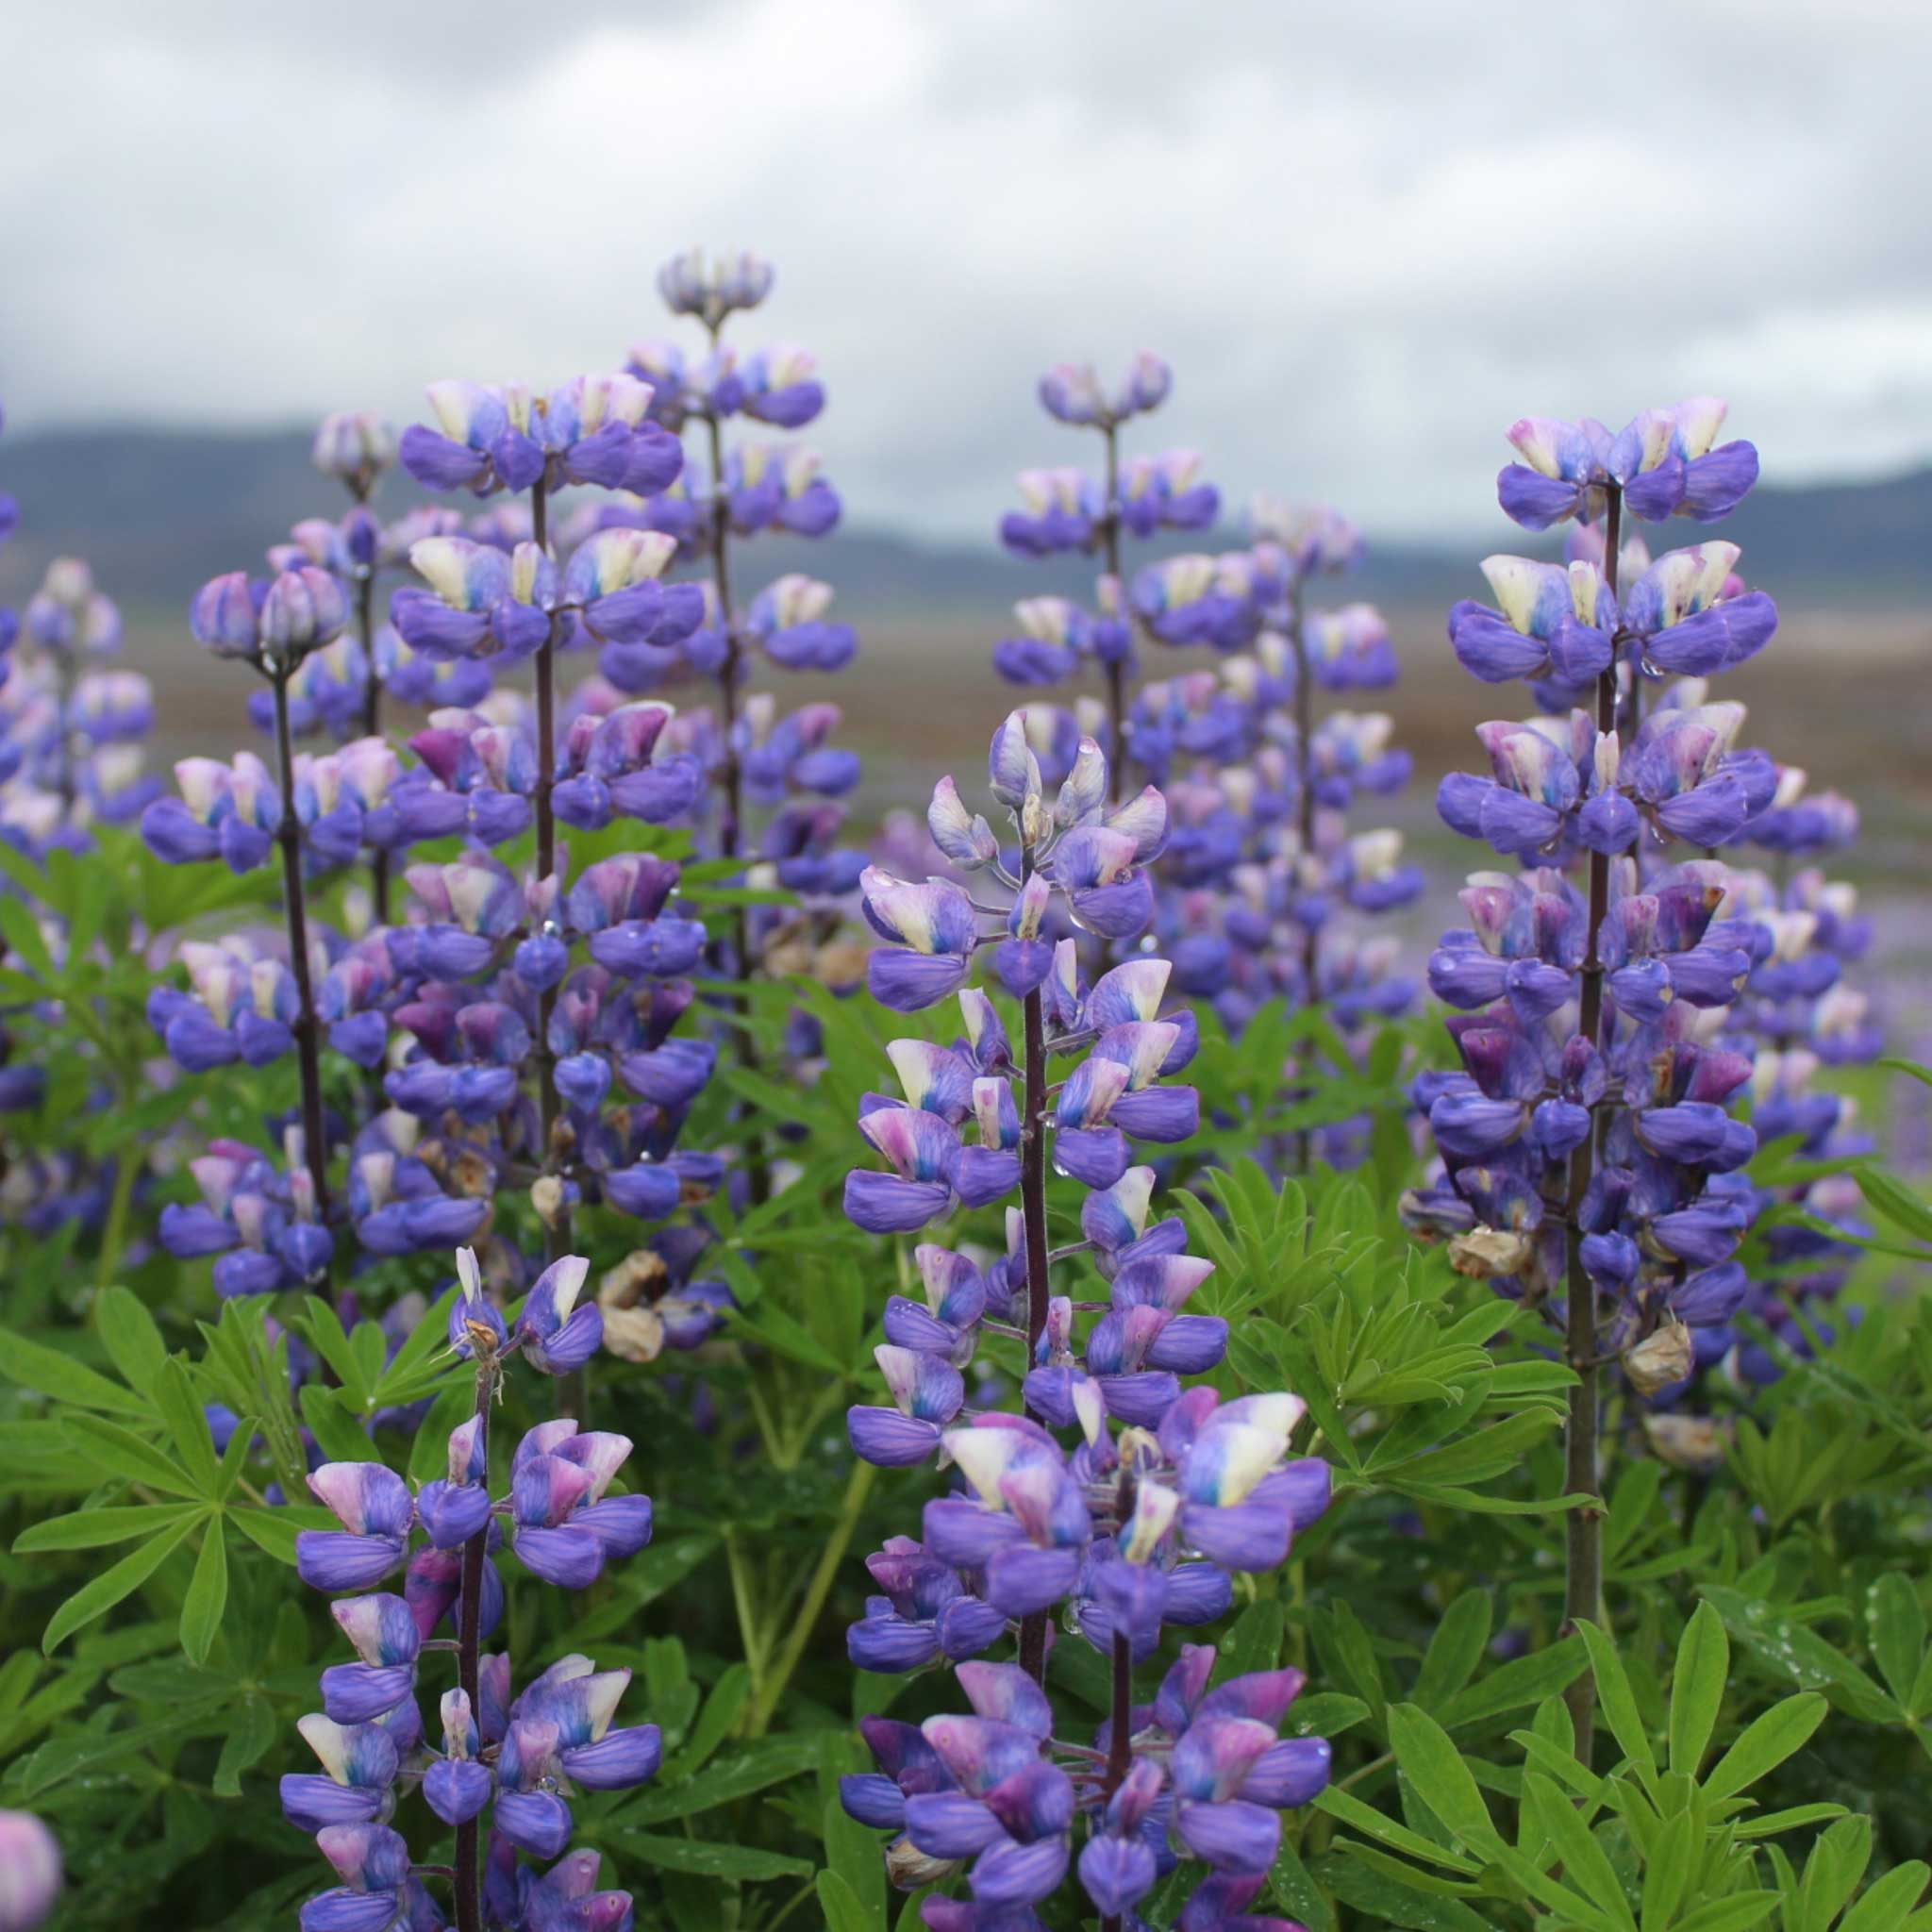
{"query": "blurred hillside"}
{"type": "Point", "coordinates": [1842, 690]}
{"type": "Point", "coordinates": [160, 511]}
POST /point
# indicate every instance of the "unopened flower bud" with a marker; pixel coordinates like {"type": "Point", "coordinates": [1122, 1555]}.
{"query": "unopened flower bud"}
{"type": "Point", "coordinates": [1659, 1360]}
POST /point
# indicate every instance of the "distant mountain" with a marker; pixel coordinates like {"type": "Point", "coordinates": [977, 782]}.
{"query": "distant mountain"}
{"type": "Point", "coordinates": [160, 511]}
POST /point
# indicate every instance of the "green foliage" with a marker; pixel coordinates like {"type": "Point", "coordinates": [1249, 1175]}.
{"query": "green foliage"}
{"type": "Point", "coordinates": [1763, 1667]}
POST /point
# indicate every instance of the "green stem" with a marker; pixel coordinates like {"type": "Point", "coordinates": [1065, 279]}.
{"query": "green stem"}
{"type": "Point", "coordinates": [748, 1631]}
{"type": "Point", "coordinates": [764, 1704]}
{"type": "Point", "coordinates": [128, 1167]}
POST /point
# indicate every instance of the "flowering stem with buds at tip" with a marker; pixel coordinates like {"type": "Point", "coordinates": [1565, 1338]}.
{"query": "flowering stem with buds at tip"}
{"type": "Point", "coordinates": [556, 1221]}
{"type": "Point", "coordinates": [469, 1875]}
{"type": "Point", "coordinates": [1033, 1215]}
{"type": "Point", "coordinates": [1305, 806]}
{"type": "Point", "coordinates": [307, 1028]}
{"type": "Point", "coordinates": [1116, 670]}
{"type": "Point", "coordinates": [1584, 1527]}
{"type": "Point", "coordinates": [730, 773]}
{"type": "Point", "coordinates": [372, 723]}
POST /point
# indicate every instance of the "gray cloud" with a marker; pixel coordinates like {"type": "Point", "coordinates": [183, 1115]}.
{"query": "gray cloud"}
{"type": "Point", "coordinates": [1368, 236]}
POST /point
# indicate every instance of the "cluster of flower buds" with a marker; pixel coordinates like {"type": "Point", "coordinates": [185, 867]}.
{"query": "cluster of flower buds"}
{"type": "Point", "coordinates": [1067, 510]}
{"type": "Point", "coordinates": [772, 778]}
{"type": "Point", "coordinates": [1662, 463]}
{"type": "Point", "coordinates": [593, 430]}
{"type": "Point", "coordinates": [519, 1756]}
{"type": "Point", "coordinates": [1590, 1163]}
{"type": "Point", "coordinates": [1205, 1776]}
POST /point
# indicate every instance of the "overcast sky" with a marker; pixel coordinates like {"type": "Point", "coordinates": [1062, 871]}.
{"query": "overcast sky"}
{"type": "Point", "coordinates": [1367, 235]}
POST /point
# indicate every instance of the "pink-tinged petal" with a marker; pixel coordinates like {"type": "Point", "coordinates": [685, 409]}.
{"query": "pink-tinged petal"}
{"type": "Point", "coordinates": [980, 1752]}
{"type": "Point", "coordinates": [919, 1145]}
{"type": "Point", "coordinates": [366, 1498]}
{"type": "Point", "coordinates": [1007, 1694]}
{"type": "Point", "coordinates": [1129, 993]}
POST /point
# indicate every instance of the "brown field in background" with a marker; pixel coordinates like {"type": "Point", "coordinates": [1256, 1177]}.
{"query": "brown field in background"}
{"type": "Point", "coordinates": [1848, 697]}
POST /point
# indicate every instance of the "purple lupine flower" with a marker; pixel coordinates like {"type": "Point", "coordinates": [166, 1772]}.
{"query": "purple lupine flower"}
{"type": "Point", "coordinates": [261, 1223]}
{"type": "Point", "coordinates": [29, 1872]}
{"type": "Point", "coordinates": [557, 1333]}
{"type": "Point", "coordinates": [712, 290]}
{"type": "Point", "coordinates": [376, 1513]}
{"type": "Point", "coordinates": [359, 1763]}
{"type": "Point", "coordinates": [1661, 463]}
{"type": "Point", "coordinates": [593, 429]}
{"type": "Point", "coordinates": [356, 449]}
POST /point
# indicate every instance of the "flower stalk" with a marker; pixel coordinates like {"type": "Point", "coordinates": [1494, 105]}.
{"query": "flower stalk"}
{"type": "Point", "coordinates": [469, 1866]}
{"type": "Point", "coordinates": [1584, 1527]}
{"type": "Point", "coordinates": [306, 1028]}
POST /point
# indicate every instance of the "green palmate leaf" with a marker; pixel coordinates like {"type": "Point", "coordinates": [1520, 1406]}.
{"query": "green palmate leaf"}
{"type": "Point", "coordinates": [246, 1744]}
{"type": "Point", "coordinates": [1697, 1687]}
{"type": "Point", "coordinates": [1293, 1887]}
{"type": "Point", "coordinates": [95, 1598]}
{"type": "Point", "coordinates": [843, 1912]}
{"type": "Point", "coordinates": [1373, 1824]}
{"type": "Point", "coordinates": [1386, 1900]}
{"type": "Point", "coordinates": [1897, 1625]}
{"type": "Point", "coordinates": [1838, 1862]}
{"type": "Point", "coordinates": [1473, 1500]}
{"type": "Point", "coordinates": [1327, 1714]}
{"type": "Point", "coordinates": [1357, 1652]}
{"type": "Point", "coordinates": [1517, 1684]}
{"type": "Point", "coordinates": [129, 1334]}
{"type": "Point", "coordinates": [61, 1758]}
{"type": "Point", "coordinates": [1586, 1865]}
{"type": "Point", "coordinates": [769, 1761]}
{"type": "Point", "coordinates": [1614, 1694]}
{"type": "Point", "coordinates": [324, 1327]}
{"type": "Point", "coordinates": [642, 1581]}
{"type": "Point", "coordinates": [275, 1530]}
{"type": "Point", "coordinates": [1734, 1913]}
{"type": "Point", "coordinates": [1787, 1647]}
{"type": "Point", "coordinates": [328, 1414]}
{"type": "Point", "coordinates": [23, 933]}
{"type": "Point", "coordinates": [788, 1337]}
{"type": "Point", "coordinates": [1667, 1871]}
{"type": "Point", "coordinates": [118, 1452]}
{"type": "Point", "coordinates": [208, 1594]}
{"type": "Point", "coordinates": [1454, 1650]}
{"type": "Point", "coordinates": [743, 1862]}
{"type": "Point", "coordinates": [93, 1529]}
{"type": "Point", "coordinates": [49, 1371]}
{"type": "Point", "coordinates": [413, 1370]}
{"type": "Point", "coordinates": [1765, 1743]}
{"type": "Point", "coordinates": [721, 1711]}
{"type": "Point", "coordinates": [1896, 1202]}
{"type": "Point", "coordinates": [1403, 1872]}
{"type": "Point", "coordinates": [1885, 1905]}
{"type": "Point", "coordinates": [852, 1851]}
{"type": "Point", "coordinates": [1768, 1823]}
{"type": "Point", "coordinates": [187, 1425]}
{"type": "Point", "coordinates": [1434, 1766]}
{"type": "Point", "coordinates": [1254, 1643]}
